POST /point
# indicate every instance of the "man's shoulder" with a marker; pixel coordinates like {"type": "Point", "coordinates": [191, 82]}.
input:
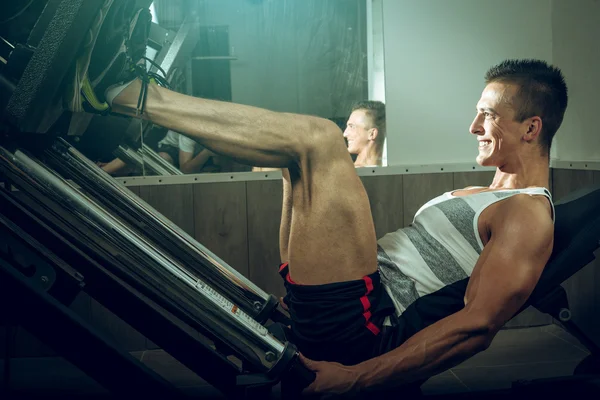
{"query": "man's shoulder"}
{"type": "Point", "coordinates": [523, 229]}
{"type": "Point", "coordinates": [524, 213]}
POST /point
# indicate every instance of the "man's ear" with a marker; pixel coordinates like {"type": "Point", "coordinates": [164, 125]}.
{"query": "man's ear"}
{"type": "Point", "coordinates": [373, 132]}
{"type": "Point", "coordinates": [534, 129]}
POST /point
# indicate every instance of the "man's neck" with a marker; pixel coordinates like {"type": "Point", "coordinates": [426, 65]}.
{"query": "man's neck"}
{"type": "Point", "coordinates": [369, 157]}
{"type": "Point", "coordinates": [534, 172]}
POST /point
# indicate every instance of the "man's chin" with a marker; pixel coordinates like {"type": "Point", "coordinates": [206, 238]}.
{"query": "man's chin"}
{"type": "Point", "coordinates": [485, 161]}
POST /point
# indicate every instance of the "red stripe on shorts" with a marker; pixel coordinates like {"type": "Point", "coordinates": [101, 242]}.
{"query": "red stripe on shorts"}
{"type": "Point", "coordinates": [367, 305]}
{"type": "Point", "coordinates": [371, 326]}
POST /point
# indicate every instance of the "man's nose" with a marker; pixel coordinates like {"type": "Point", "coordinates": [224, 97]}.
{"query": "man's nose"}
{"type": "Point", "coordinates": [476, 127]}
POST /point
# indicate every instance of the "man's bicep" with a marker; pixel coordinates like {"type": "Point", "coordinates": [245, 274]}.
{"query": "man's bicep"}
{"type": "Point", "coordinates": [511, 263]}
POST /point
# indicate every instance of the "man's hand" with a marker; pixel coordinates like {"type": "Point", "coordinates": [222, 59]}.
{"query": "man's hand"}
{"type": "Point", "coordinates": [283, 304]}
{"type": "Point", "coordinates": [332, 378]}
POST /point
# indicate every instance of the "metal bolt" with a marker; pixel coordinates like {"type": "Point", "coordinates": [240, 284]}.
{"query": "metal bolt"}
{"type": "Point", "coordinates": [44, 279]}
{"type": "Point", "coordinates": [564, 314]}
{"type": "Point", "coordinates": [270, 356]}
{"type": "Point", "coordinates": [257, 305]}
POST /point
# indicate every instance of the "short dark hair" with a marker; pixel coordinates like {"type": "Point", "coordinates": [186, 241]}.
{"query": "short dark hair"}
{"type": "Point", "coordinates": [375, 110]}
{"type": "Point", "coordinates": [542, 92]}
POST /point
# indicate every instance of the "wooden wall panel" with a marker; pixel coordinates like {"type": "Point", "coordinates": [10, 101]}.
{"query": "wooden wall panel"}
{"type": "Point", "coordinates": [264, 216]}
{"type": "Point", "coordinates": [220, 221]}
{"type": "Point", "coordinates": [420, 188]}
{"type": "Point", "coordinates": [475, 178]}
{"type": "Point", "coordinates": [583, 288]}
{"type": "Point", "coordinates": [135, 189]}
{"type": "Point", "coordinates": [568, 180]}
{"type": "Point", "coordinates": [175, 202]}
{"type": "Point", "coordinates": [386, 200]}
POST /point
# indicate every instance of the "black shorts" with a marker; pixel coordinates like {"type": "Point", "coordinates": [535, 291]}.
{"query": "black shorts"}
{"type": "Point", "coordinates": [339, 322]}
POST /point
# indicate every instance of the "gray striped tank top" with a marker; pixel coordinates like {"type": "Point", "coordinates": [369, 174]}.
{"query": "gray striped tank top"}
{"type": "Point", "coordinates": [440, 247]}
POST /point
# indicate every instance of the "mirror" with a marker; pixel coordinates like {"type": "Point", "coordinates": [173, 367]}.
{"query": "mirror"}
{"type": "Point", "coordinates": [317, 57]}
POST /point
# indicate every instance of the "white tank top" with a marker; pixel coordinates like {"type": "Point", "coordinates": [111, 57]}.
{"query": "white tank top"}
{"type": "Point", "coordinates": [440, 247]}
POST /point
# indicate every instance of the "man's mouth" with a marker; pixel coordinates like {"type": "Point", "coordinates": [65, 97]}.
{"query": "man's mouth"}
{"type": "Point", "coordinates": [484, 143]}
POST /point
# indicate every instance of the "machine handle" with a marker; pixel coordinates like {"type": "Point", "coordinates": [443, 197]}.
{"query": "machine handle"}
{"type": "Point", "coordinates": [296, 380]}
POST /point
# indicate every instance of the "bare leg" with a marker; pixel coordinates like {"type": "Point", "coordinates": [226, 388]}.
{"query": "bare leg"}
{"type": "Point", "coordinates": [332, 237]}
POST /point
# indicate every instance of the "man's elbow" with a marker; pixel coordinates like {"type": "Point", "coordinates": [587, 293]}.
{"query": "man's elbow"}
{"type": "Point", "coordinates": [487, 339]}
{"type": "Point", "coordinates": [487, 319]}
{"type": "Point", "coordinates": [483, 330]}
{"type": "Point", "coordinates": [484, 337]}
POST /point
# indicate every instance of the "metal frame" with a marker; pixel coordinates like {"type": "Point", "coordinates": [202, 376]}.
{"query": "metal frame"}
{"type": "Point", "coordinates": [173, 51]}
{"type": "Point", "coordinates": [174, 55]}
{"type": "Point", "coordinates": [265, 359]}
{"type": "Point", "coordinates": [154, 159]}
{"type": "Point", "coordinates": [76, 340]}
{"type": "Point", "coordinates": [159, 36]}
{"type": "Point", "coordinates": [91, 239]}
{"type": "Point", "coordinates": [119, 297]}
{"type": "Point", "coordinates": [166, 235]}
{"type": "Point", "coordinates": [152, 272]}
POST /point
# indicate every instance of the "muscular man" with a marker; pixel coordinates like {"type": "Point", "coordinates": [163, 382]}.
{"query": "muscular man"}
{"type": "Point", "coordinates": [351, 297]}
{"type": "Point", "coordinates": [365, 133]}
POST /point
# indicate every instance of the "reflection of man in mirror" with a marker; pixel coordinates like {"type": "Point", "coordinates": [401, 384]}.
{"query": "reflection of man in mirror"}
{"type": "Point", "coordinates": [180, 151]}
{"type": "Point", "coordinates": [365, 133]}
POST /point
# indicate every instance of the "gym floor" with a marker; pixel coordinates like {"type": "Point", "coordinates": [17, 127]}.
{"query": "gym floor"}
{"type": "Point", "coordinates": [516, 354]}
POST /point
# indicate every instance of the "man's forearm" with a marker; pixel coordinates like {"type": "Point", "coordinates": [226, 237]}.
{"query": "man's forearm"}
{"type": "Point", "coordinates": [431, 351]}
{"type": "Point", "coordinates": [196, 163]}
{"type": "Point", "coordinates": [114, 166]}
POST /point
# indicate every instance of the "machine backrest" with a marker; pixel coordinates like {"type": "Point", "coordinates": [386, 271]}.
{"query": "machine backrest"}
{"type": "Point", "coordinates": [576, 237]}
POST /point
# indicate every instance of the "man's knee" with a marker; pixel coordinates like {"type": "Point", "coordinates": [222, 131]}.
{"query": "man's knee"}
{"type": "Point", "coordinates": [323, 138]}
